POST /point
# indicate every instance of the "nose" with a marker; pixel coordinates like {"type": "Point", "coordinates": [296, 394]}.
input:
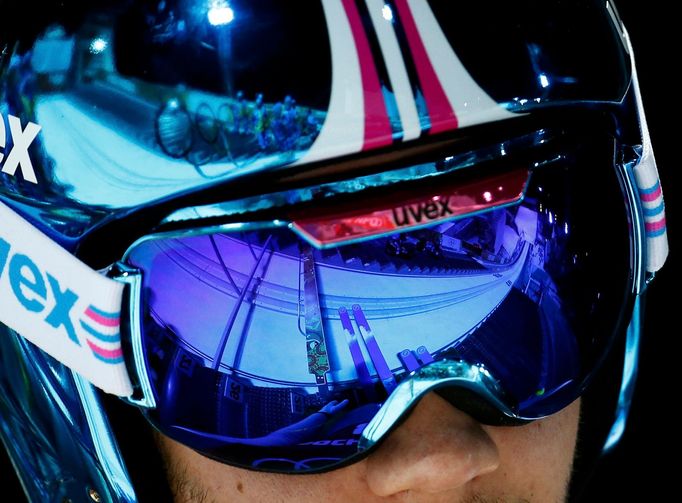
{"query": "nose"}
{"type": "Point", "coordinates": [437, 449]}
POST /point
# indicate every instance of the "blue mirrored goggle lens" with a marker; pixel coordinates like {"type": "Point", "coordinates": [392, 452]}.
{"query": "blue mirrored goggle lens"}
{"type": "Point", "coordinates": [268, 353]}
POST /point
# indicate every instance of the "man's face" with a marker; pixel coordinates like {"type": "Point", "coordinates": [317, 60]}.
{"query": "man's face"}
{"type": "Point", "coordinates": [438, 454]}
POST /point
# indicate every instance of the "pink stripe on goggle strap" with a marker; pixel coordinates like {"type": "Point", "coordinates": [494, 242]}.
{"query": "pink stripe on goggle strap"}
{"type": "Point", "coordinates": [652, 196]}
{"type": "Point", "coordinates": [442, 115]}
{"type": "Point", "coordinates": [378, 131]}
{"type": "Point", "coordinates": [109, 354]}
{"type": "Point", "coordinates": [102, 320]}
{"type": "Point", "coordinates": [655, 226]}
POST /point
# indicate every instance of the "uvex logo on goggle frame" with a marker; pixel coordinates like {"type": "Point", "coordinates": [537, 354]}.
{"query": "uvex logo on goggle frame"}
{"type": "Point", "coordinates": [42, 295]}
{"type": "Point", "coordinates": [458, 199]}
{"type": "Point", "coordinates": [435, 209]}
{"type": "Point", "coordinates": [21, 139]}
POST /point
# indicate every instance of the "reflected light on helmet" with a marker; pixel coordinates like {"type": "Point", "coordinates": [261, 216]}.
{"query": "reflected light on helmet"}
{"type": "Point", "coordinates": [98, 45]}
{"type": "Point", "coordinates": [220, 13]}
{"type": "Point", "coordinates": [387, 13]}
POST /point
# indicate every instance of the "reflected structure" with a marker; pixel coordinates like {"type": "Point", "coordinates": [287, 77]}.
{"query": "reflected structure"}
{"type": "Point", "coordinates": [127, 120]}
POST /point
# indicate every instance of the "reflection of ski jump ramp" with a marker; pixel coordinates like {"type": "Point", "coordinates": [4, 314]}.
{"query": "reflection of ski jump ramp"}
{"type": "Point", "coordinates": [404, 310]}
{"type": "Point", "coordinates": [103, 164]}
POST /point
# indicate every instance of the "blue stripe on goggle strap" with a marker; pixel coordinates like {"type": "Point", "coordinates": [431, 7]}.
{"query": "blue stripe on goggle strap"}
{"type": "Point", "coordinates": [656, 233]}
{"type": "Point", "coordinates": [652, 212]}
{"type": "Point", "coordinates": [105, 314]}
{"type": "Point", "coordinates": [99, 335]}
{"type": "Point", "coordinates": [110, 356]}
{"type": "Point", "coordinates": [651, 189]}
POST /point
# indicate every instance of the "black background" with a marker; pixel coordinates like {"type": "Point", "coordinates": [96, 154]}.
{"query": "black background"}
{"type": "Point", "coordinates": [636, 471]}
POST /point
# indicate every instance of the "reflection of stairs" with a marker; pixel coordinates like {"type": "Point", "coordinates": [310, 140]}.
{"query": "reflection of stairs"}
{"type": "Point", "coordinates": [371, 256]}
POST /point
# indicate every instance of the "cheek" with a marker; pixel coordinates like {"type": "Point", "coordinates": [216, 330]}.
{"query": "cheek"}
{"type": "Point", "coordinates": [538, 457]}
{"type": "Point", "coordinates": [193, 476]}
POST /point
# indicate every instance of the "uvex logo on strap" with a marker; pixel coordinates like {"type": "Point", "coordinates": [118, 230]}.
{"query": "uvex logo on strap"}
{"type": "Point", "coordinates": [41, 294]}
{"type": "Point", "coordinates": [21, 139]}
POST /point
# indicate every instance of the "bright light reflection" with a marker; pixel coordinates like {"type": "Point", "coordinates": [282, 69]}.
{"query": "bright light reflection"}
{"type": "Point", "coordinates": [544, 81]}
{"type": "Point", "coordinates": [387, 13]}
{"type": "Point", "coordinates": [98, 45]}
{"type": "Point", "coordinates": [487, 196]}
{"type": "Point", "coordinates": [551, 218]}
{"type": "Point", "coordinates": [220, 13]}
{"type": "Point", "coordinates": [566, 228]}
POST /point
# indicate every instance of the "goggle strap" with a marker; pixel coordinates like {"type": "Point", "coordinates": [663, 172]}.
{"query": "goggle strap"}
{"type": "Point", "coordinates": [649, 187]}
{"type": "Point", "coordinates": [61, 305]}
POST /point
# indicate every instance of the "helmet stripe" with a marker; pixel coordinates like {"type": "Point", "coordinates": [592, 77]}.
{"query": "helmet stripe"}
{"type": "Point", "coordinates": [383, 19]}
{"type": "Point", "coordinates": [378, 131]}
{"type": "Point", "coordinates": [343, 129]}
{"type": "Point", "coordinates": [440, 111]}
{"type": "Point", "coordinates": [468, 102]}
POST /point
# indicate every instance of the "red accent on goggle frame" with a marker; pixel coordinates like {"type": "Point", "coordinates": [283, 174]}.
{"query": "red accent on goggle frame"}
{"type": "Point", "coordinates": [338, 226]}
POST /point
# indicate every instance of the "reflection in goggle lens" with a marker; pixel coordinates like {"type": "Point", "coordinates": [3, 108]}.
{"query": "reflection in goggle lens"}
{"type": "Point", "coordinates": [257, 339]}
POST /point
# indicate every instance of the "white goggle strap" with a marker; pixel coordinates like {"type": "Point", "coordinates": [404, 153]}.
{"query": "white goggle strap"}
{"type": "Point", "coordinates": [61, 305]}
{"type": "Point", "coordinates": [649, 186]}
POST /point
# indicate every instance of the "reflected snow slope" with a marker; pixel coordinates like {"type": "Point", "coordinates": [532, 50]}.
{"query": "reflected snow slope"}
{"type": "Point", "coordinates": [107, 163]}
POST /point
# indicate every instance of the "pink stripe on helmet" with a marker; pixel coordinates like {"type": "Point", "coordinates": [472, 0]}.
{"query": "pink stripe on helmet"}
{"type": "Point", "coordinates": [441, 113]}
{"type": "Point", "coordinates": [378, 131]}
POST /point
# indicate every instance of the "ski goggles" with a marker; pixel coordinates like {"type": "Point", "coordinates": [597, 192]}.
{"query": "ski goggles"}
{"type": "Point", "coordinates": [295, 344]}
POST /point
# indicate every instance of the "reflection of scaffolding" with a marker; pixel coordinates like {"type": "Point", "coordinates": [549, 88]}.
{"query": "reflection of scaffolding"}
{"type": "Point", "coordinates": [239, 408]}
{"type": "Point", "coordinates": [318, 360]}
{"type": "Point", "coordinates": [537, 281]}
{"type": "Point", "coordinates": [534, 287]}
{"type": "Point", "coordinates": [235, 311]}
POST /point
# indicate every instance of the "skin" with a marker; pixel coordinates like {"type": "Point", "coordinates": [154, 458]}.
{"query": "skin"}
{"type": "Point", "coordinates": [439, 454]}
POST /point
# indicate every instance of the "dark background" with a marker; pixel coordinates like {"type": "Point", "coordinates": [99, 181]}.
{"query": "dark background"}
{"type": "Point", "coordinates": [636, 471]}
{"type": "Point", "coordinates": [637, 466]}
